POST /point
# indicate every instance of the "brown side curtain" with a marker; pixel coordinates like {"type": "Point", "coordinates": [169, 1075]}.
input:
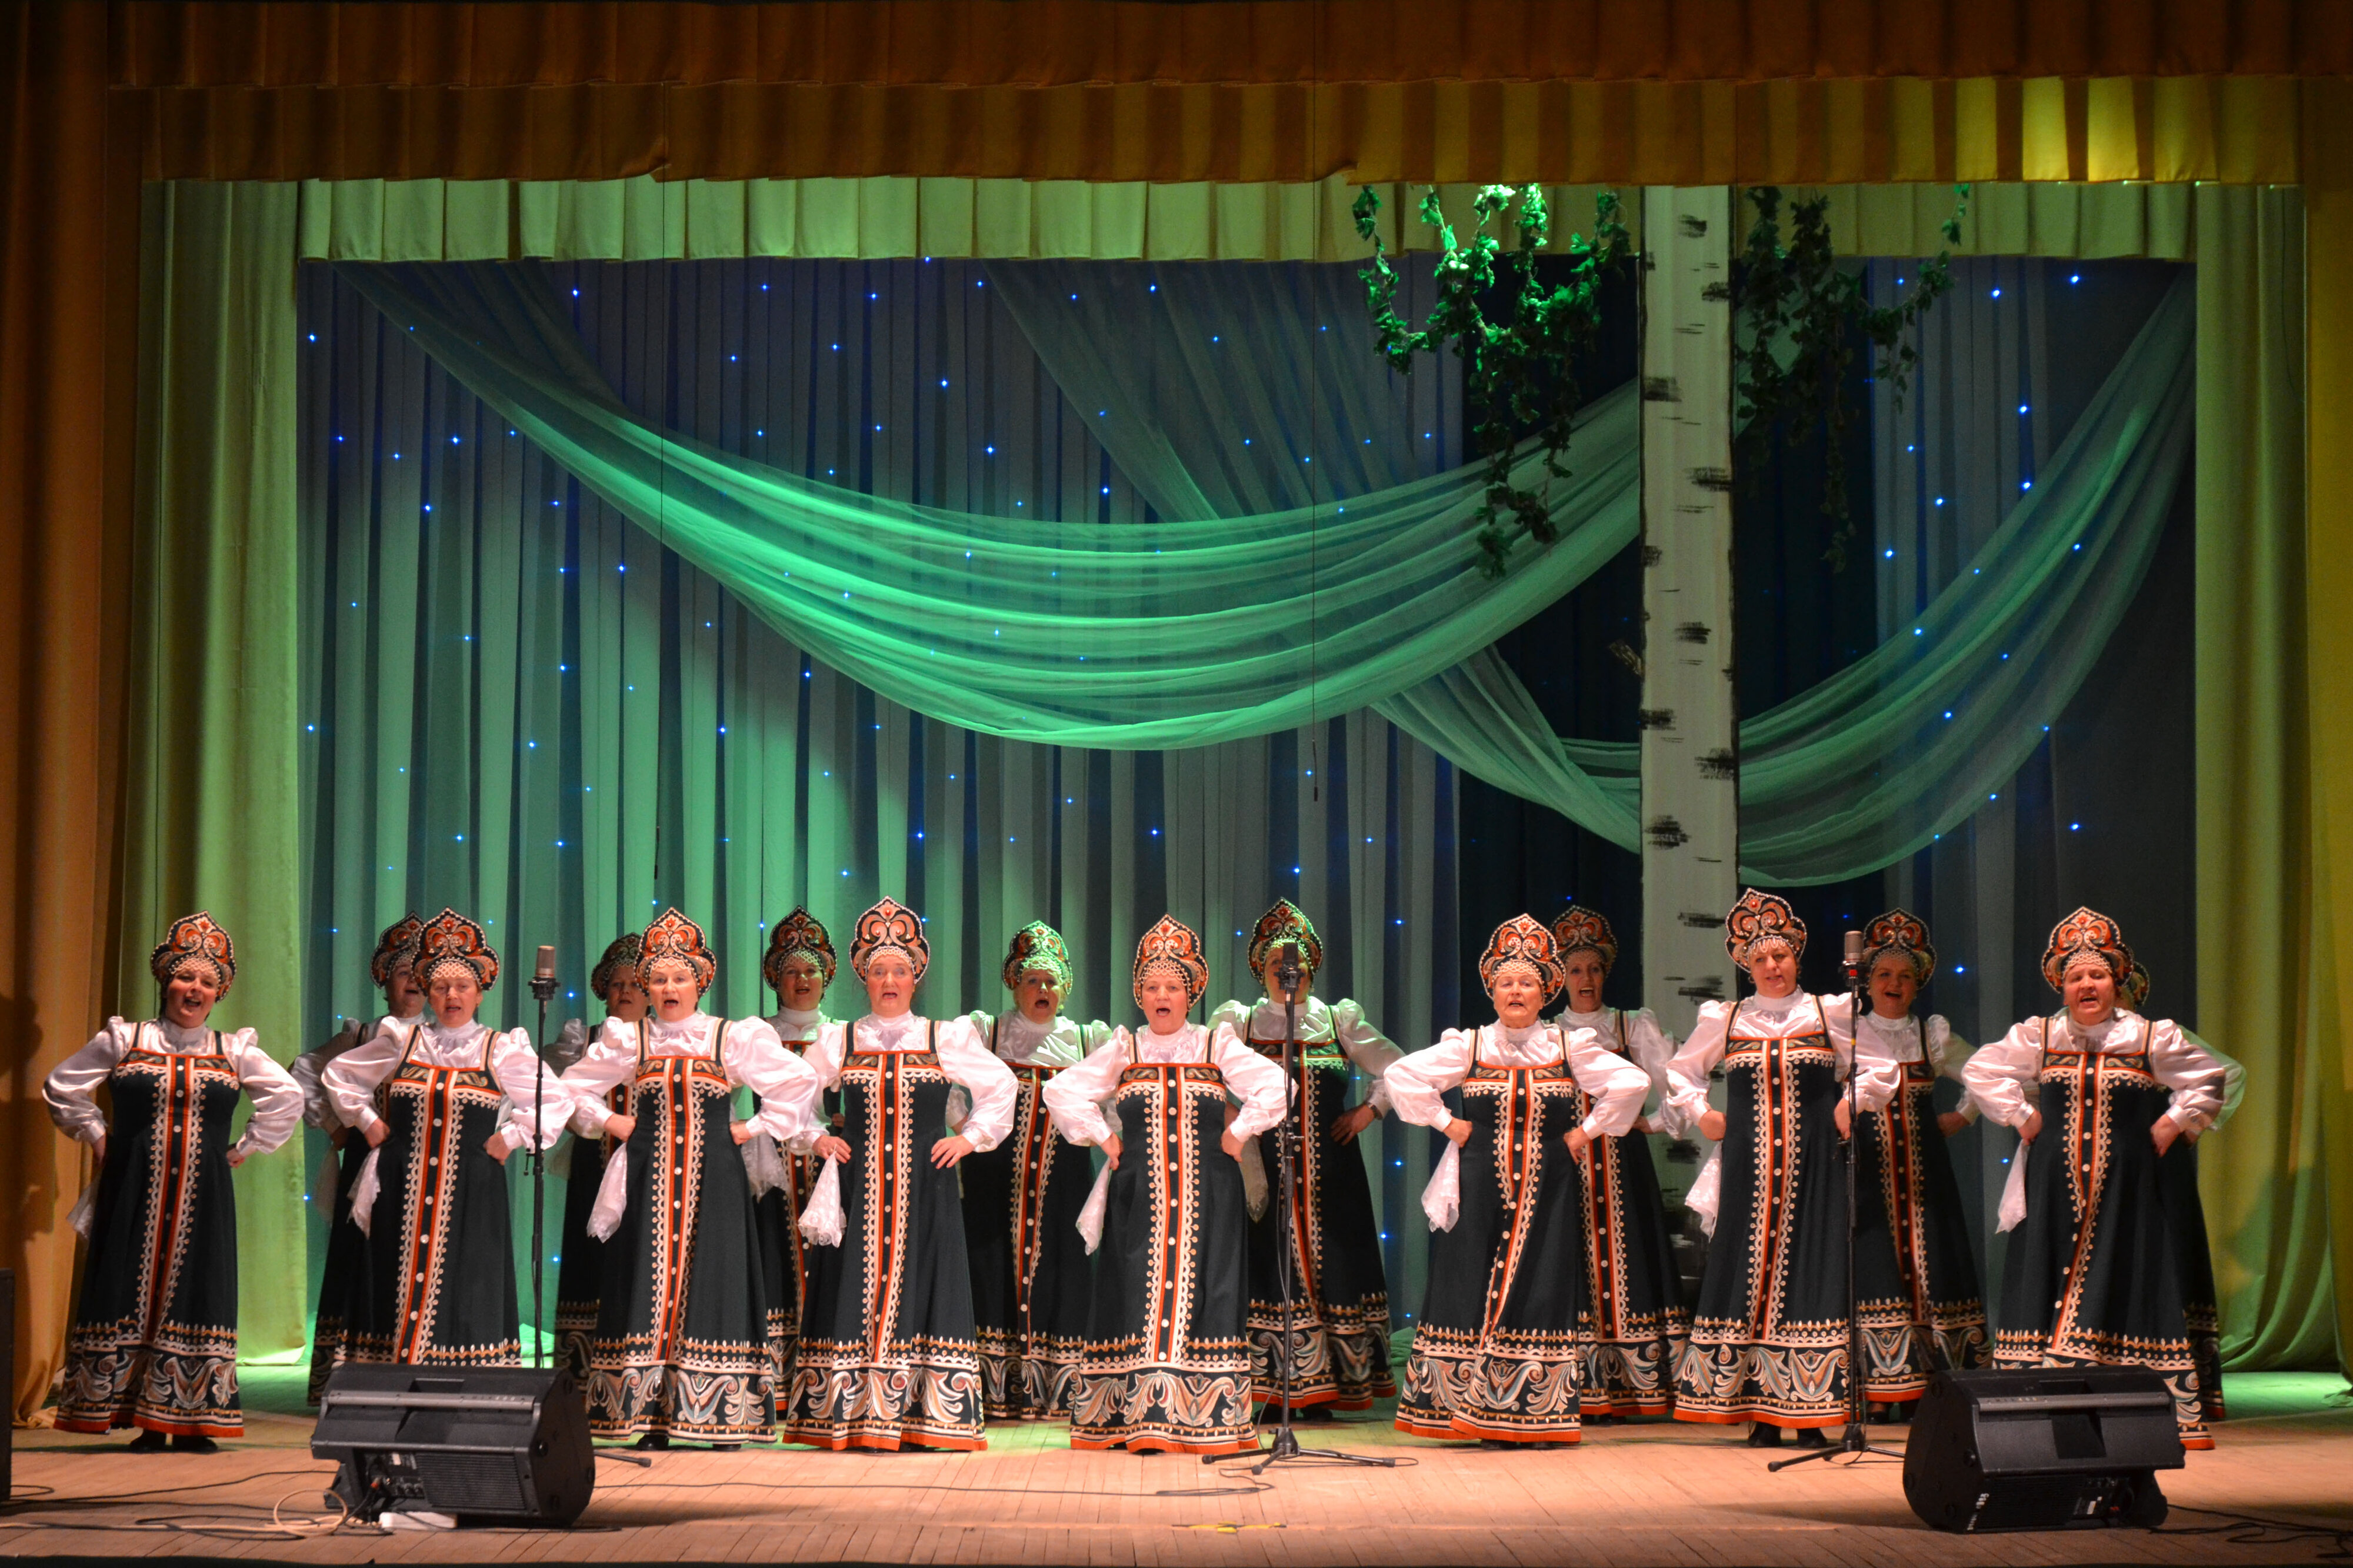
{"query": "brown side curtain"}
{"type": "Point", "coordinates": [68, 348]}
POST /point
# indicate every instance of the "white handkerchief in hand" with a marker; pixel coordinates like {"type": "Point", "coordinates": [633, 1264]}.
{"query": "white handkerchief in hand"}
{"type": "Point", "coordinates": [2013, 1192]}
{"type": "Point", "coordinates": [1706, 1193]}
{"type": "Point", "coordinates": [1254, 1192]}
{"type": "Point", "coordinates": [1090, 1215]}
{"type": "Point", "coordinates": [364, 1193]}
{"type": "Point", "coordinates": [85, 1209]}
{"type": "Point", "coordinates": [612, 1196]}
{"type": "Point", "coordinates": [764, 1165]}
{"type": "Point", "coordinates": [821, 1222]}
{"type": "Point", "coordinates": [1442, 1200]}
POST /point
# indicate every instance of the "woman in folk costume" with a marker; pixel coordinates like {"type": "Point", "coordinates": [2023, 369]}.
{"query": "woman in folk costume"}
{"type": "Point", "coordinates": [1633, 1290]}
{"type": "Point", "coordinates": [1032, 1281]}
{"type": "Point", "coordinates": [580, 1277]}
{"type": "Point", "coordinates": [153, 1341]}
{"type": "Point", "coordinates": [1916, 1277]}
{"type": "Point", "coordinates": [681, 1345]}
{"type": "Point", "coordinates": [1168, 1364]}
{"type": "Point", "coordinates": [2099, 1097]}
{"type": "Point", "coordinates": [392, 967]}
{"type": "Point", "coordinates": [887, 1355]}
{"type": "Point", "coordinates": [1500, 1349]}
{"type": "Point", "coordinates": [1339, 1294]}
{"type": "Point", "coordinates": [1768, 1343]}
{"type": "Point", "coordinates": [2200, 1303]}
{"type": "Point", "coordinates": [442, 1102]}
{"type": "Point", "coordinates": [798, 966]}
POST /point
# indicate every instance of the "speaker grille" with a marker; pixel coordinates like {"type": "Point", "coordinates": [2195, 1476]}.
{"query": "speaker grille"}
{"type": "Point", "coordinates": [472, 1483]}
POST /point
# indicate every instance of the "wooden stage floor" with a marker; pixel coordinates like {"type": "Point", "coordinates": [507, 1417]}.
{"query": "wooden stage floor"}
{"type": "Point", "coordinates": [1648, 1493]}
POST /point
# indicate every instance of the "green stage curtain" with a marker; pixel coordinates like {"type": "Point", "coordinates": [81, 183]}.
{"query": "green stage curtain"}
{"type": "Point", "coordinates": [2325, 855]}
{"type": "Point", "coordinates": [2266, 1199]}
{"type": "Point", "coordinates": [214, 798]}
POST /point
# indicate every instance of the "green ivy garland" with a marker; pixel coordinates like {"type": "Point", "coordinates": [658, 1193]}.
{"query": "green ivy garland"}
{"type": "Point", "coordinates": [1517, 371]}
{"type": "Point", "coordinates": [1797, 295]}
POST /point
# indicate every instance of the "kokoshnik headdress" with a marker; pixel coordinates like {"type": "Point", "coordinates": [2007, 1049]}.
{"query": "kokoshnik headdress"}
{"type": "Point", "coordinates": [620, 960]}
{"type": "Point", "coordinates": [1903, 934]}
{"type": "Point", "coordinates": [1759, 918]}
{"type": "Point", "coordinates": [798, 935]}
{"type": "Point", "coordinates": [1175, 948]}
{"type": "Point", "coordinates": [1585, 931]}
{"type": "Point", "coordinates": [1037, 946]}
{"type": "Point", "coordinates": [2086, 932]}
{"type": "Point", "coordinates": [675, 939]}
{"type": "Point", "coordinates": [889, 927]}
{"type": "Point", "coordinates": [396, 947]}
{"type": "Point", "coordinates": [1285, 922]}
{"type": "Point", "coordinates": [1525, 942]}
{"type": "Point", "coordinates": [191, 942]}
{"type": "Point", "coordinates": [450, 938]}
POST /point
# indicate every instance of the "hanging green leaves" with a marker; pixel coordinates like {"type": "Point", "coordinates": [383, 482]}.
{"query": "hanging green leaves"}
{"type": "Point", "coordinates": [1517, 371]}
{"type": "Point", "coordinates": [1794, 313]}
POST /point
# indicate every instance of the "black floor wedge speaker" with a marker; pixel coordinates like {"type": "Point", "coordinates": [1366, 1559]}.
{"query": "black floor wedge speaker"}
{"type": "Point", "coordinates": [2046, 1448]}
{"type": "Point", "coordinates": [495, 1444]}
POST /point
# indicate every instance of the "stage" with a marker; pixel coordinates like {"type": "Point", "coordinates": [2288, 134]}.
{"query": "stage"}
{"type": "Point", "coordinates": [1649, 1493]}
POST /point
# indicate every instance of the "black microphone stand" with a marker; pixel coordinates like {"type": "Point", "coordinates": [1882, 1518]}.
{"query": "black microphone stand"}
{"type": "Point", "coordinates": [1285, 1442]}
{"type": "Point", "coordinates": [543, 985]}
{"type": "Point", "coordinates": [1856, 1440]}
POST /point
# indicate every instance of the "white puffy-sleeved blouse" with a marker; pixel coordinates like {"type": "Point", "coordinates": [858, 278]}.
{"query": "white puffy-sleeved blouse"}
{"type": "Point", "coordinates": [1771, 1017]}
{"type": "Point", "coordinates": [1372, 1051]}
{"type": "Point", "coordinates": [965, 1057]}
{"type": "Point", "coordinates": [1419, 1082]}
{"type": "Point", "coordinates": [2004, 1076]}
{"type": "Point", "coordinates": [1903, 1041]}
{"type": "Point", "coordinates": [753, 1056]}
{"type": "Point", "coordinates": [1647, 1042]}
{"type": "Point", "coordinates": [1074, 1097]}
{"type": "Point", "coordinates": [71, 1087]}
{"type": "Point", "coordinates": [352, 1078]}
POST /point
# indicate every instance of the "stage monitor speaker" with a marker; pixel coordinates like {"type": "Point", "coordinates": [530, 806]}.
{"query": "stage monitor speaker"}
{"type": "Point", "coordinates": [2044, 1448]}
{"type": "Point", "coordinates": [504, 1444]}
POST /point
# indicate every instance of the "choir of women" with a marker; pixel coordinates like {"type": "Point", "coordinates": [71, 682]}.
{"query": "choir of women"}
{"type": "Point", "coordinates": [2099, 1097]}
{"type": "Point", "coordinates": [888, 1355]}
{"type": "Point", "coordinates": [1634, 1301]}
{"type": "Point", "coordinates": [580, 1266]}
{"type": "Point", "coordinates": [682, 1346]}
{"type": "Point", "coordinates": [1769, 1343]}
{"type": "Point", "coordinates": [1916, 1290]}
{"type": "Point", "coordinates": [393, 968]}
{"type": "Point", "coordinates": [887, 1233]}
{"type": "Point", "coordinates": [153, 1340]}
{"type": "Point", "coordinates": [441, 1102]}
{"type": "Point", "coordinates": [1032, 1281]}
{"type": "Point", "coordinates": [1167, 1365]}
{"type": "Point", "coordinates": [1339, 1353]}
{"type": "Point", "coordinates": [1500, 1351]}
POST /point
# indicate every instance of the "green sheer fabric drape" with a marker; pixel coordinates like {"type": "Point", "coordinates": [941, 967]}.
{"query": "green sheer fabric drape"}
{"type": "Point", "coordinates": [1171, 635]}
{"type": "Point", "coordinates": [214, 789]}
{"type": "Point", "coordinates": [1902, 745]}
{"type": "Point", "coordinates": [1074, 634]}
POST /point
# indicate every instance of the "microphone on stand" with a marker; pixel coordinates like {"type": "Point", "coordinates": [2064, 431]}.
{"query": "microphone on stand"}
{"type": "Point", "coordinates": [1853, 953]}
{"type": "Point", "coordinates": [543, 985]}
